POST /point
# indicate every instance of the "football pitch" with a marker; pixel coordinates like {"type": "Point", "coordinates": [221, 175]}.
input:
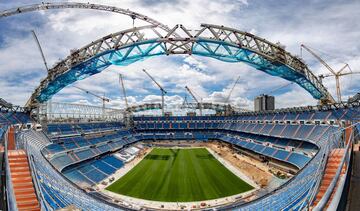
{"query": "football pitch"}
{"type": "Point", "coordinates": [179, 175]}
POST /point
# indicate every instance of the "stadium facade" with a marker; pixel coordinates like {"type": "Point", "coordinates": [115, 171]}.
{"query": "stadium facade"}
{"type": "Point", "coordinates": [67, 165]}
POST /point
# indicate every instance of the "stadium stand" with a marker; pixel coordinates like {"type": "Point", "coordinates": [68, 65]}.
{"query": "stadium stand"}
{"type": "Point", "coordinates": [73, 155]}
{"type": "Point", "coordinates": [11, 118]}
{"type": "Point", "coordinates": [94, 171]}
{"type": "Point", "coordinates": [57, 192]}
{"type": "Point", "coordinates": [81, 128]}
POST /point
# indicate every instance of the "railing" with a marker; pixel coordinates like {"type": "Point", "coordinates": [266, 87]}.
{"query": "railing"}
{"type": "Point", "coordinates": [319, 174]}
{"type": "Point", "coordinates": [346, 158]}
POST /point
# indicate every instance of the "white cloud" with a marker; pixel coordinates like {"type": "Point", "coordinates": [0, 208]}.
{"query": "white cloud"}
{"type": "Point", "coordinates": [333, 28]}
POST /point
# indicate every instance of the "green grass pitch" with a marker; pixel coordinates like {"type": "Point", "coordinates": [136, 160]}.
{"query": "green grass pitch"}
{"type": "Point", "coordinates": [179, 175]}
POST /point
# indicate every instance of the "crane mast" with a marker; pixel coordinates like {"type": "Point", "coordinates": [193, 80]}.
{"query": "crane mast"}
{"type": "Point", "coordinates": [103, 99]}
{"type": "Point", "coordinates": [194, 97]}
{"type": "Point", "coordinates": [163, 92]}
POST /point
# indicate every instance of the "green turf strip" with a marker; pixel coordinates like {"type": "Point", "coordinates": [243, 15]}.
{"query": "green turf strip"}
{"type": "Point", "coordinates": [179, 175]}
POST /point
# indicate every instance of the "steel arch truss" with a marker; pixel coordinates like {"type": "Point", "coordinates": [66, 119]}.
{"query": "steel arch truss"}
{"type": "Point", "coordinates": [219, 42]}
{"type": "Point", "coordinates": [75, 5]}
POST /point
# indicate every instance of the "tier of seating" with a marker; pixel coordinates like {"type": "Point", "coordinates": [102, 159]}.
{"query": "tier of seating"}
{"type": "Point", "coordinates": [56, 129]}
{"type": "Point", "coordinates": [335, 114]}
{"type": "Point", "coordinates": [255, 143]}
{"type": "Point", "coordinates": [10, 118]}
{"type": "Point", "coordinates": [87, 160]}
{"type": "Point", "coordinates": [73, 142]}
{"type": "Point", "coordinates": [300, 132]}
{"type": "Point", "coordinates": [291, 143]}
{"type": "Point", "coordinates": [297, 159]}
{"type": "Point", "coordinates": [2, 131]}
{"type": "Point", "coordinates": [54, 190]}
{"type": "Point", "coordinates": [65, 158]}
{"type": "Point", "coordinates": [94, 171]}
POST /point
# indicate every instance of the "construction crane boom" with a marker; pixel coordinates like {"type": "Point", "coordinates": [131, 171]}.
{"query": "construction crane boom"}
{"type": "Point", "coordinates": [93, 94]}
{"type": "Point", "coordinates": [318, 58]}
{"type": "Point", "coordinates": [124, 91]}
{"type": "Point", "coordinates": [342, 74]}
{"type": "Point", "coordinates": [194, 97]}
{"type": "Point", "coordinates": [40, 49]}
{"type": "Point", "coordinates": [104, 99]}
{"type": "Point", "coordinates": [337, 74]}
{"type": "Point", "coordinates": [160, 87]}
{"type": "Point", "coordinates": [163, 92]}
{"type": "Point", "coordinates": [232, 89]}
{"type": "Point", "coordinates": [278, 88]}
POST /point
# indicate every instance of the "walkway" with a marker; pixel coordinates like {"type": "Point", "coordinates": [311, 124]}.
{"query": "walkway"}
{"type": "Point", "coordinates": [22, 181]}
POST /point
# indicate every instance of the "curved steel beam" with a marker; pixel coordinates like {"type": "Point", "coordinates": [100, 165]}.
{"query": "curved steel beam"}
{"type": "Point", "coordinates": [219, 42]}
{"type": "Point", "coordinates": [75, 5]}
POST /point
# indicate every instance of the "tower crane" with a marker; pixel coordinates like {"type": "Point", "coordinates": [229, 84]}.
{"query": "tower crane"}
{"type": "Point", "coordinates": [163, 92]}
{"type": "Point", "coordinates": [193, 96]}
{"type": "Point", "coordinates": [103, 99]}
{"type": "Point", "coordinates": [232, 89]}
{"type": "Point", "coordinates": [46, 67]}
{"type": "Point", "coordinates": [341, 74]}
{"type": "Point", "coordinates": [278, 88]}
{"type": "Point", "coordinates": [336, 74]}
{"type": "Point", "coordinates": [40, 49]}
{"type": "Point", "coordinates": [337, 78]}
{"type": "Point", "coordinates": [127, 112]}
{"type": "Point", "coordinates": [124, 91]}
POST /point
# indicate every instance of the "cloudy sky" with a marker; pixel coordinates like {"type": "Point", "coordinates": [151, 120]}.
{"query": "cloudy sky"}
{"type": "Point", "coordinates": [330, 27]}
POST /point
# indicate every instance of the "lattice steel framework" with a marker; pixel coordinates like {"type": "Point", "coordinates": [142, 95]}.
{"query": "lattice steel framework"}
{"type": "Point", "coordinates": [128, 46]}
{"type": "Point", "coordinates": [75, 5]}
{"type": "Point", "coordinates": [57, 110]}
{"type": "Point", "coordinates": [219, 42]}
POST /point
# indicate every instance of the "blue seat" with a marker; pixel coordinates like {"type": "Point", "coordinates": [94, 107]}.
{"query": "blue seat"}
{"type": "Point", "coordinates": [281, 154]}
{"type": "Point", "coordinates": [268, 151]}
{"type": "Point", "coordinates": [298, 159]}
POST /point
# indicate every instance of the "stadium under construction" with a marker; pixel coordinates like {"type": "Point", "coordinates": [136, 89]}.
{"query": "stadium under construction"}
{"type": "Point", "coordinates": [215, 156]}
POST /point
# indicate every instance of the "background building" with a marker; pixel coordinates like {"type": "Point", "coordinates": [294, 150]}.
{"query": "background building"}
{"type": "Point", "coordinates": [264, 103]}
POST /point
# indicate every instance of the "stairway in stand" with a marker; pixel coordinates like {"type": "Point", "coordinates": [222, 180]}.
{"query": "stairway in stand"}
{"type": "Point", "coordinates": [332, 165]}
{"type": "Point", "coordinates": [22, 181]}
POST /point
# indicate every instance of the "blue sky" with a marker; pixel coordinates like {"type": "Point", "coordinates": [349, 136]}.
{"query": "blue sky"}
{"type": "Point", "coordinates": [330, 27]}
